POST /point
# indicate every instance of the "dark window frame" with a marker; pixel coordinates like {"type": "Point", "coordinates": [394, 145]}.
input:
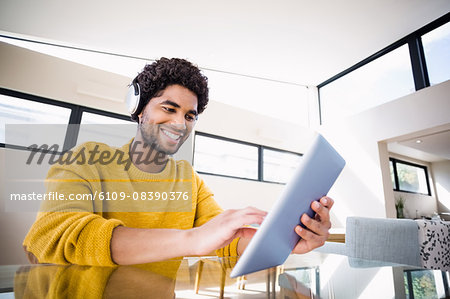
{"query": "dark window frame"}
{"type": "Point", "coordinates": [409, 283]}
{"type": "Point", "coordinates": [397, 185]}
{"type": "Point", "coordinates": [260, 159]}
{"type": "Point", "coordinates": [416, 53]}
{"type": "Point", "coordinates": [74, 118]}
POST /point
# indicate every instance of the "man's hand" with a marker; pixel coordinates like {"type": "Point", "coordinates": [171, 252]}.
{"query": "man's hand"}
{"type": "Point", "coordinates": [317, 229]}
{"type": "Point", "coordinates": [139, 245]}
{"type": "Point", "coordinates": [221, 230]}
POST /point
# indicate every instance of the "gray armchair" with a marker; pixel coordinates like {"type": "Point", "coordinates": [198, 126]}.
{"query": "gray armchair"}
{"type": "Point", "coordinates": [387, 240]}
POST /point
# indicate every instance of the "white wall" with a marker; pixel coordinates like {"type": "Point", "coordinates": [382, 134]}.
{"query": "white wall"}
{"type": "Point", "coordinates": [441, 175]}
{"type": "Point", "coordinates": [362, 140]}
{"type": "Point", "coordinates": [417, 205]}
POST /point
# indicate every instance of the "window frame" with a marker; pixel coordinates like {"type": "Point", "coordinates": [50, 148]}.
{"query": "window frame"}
{"type": "Point", "coordinates": [423, 53]}
{"type": "Point", "coordinates": [396, 180]}
{"type": "Point", "coordinates": [409, 282]}
{"type": "Point", "coordinates": [416, 53]}
{"type": "Point", "coordinates": [74, 118]}
{"type": "Point", "coordinates": [260, 159]}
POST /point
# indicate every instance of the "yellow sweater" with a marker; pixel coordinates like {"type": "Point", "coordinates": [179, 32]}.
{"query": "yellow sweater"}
{"type": "Point", "coordinates": [155, 280]}
{"type": "Point", "coordinates": [100, 194]}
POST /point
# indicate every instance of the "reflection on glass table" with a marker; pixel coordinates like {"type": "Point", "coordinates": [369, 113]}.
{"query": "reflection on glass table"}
{"type": "Point", "coordinates": [313, 275]}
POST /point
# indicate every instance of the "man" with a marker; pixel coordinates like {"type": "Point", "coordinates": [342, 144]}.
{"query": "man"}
{"type": "Point", "coordinates": [172, 92]}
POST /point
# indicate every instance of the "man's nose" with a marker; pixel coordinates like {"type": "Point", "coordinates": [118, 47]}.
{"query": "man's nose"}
{"type": "Point", "coordinates": [179, 121]}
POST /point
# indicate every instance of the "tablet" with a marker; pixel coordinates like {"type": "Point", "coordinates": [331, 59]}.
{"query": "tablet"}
{"type": "Point", "coordinates": [273, 242]}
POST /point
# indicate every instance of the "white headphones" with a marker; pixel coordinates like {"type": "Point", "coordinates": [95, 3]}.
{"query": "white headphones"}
{"type": "Point", "coordinates": [133, 97]}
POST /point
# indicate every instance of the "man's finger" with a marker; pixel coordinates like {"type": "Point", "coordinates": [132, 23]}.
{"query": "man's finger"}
{"type": "Point", "coordinates": [327, 202]}
{"type": "Point", "coordinates": [313, 240]}
{"type": "Point", "coordinates": [319, 228]}
{"type": "Point", "coordinates": [322, 211]}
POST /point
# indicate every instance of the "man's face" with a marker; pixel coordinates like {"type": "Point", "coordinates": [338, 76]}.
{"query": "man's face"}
{"type": "Point", "coordinates": [168, 119]}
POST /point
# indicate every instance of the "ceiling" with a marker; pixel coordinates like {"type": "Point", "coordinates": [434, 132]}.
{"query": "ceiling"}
{"type": "Point", "coordinates": [297, 41]}
{"type": "Point", "coordinates": [432, 145]}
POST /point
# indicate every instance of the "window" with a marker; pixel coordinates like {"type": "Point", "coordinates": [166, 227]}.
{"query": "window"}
{"type": "Point", "coordinates": [436, 283]}
{"type": "Point", "coordinates": [414, 62]}
{"type": "Point", "coordinates": [223, 156]}
{"type": "Point", "coordinates": [106, 129]}
{"type": "Point", "coordinates": [279, 166]}
{"type": "Point", "coordinates": [436, 46]}
{"type": "Point", "coordinates": [17, 116]}
{"type": "Point", "coordinates": [409, 177]}
{"type": "Point", "coordinates": [28, 119]}
{"type": "Point", "coordinates": [88, 118]}
{"type": "Point", "coordinates": [380, 81]}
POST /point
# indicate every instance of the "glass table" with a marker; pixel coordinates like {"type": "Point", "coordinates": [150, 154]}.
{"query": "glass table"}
{"type": "Point", "coordinates": [312, 275]}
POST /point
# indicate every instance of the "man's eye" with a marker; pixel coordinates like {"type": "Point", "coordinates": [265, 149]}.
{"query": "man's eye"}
{"type": "Point", "coordinates": [190, 117]}
{"type": "Point", "coordinates": [168, 109]}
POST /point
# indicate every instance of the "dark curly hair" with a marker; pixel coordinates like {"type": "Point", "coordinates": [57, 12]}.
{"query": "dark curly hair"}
{"type": "Point", "coordinates": [164, 72]}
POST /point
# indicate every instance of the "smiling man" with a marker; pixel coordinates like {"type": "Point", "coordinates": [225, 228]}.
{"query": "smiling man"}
{"type": "Point", "coordinates": [164, 209]}
{"type": "Point", "coordinates": [165, 123]}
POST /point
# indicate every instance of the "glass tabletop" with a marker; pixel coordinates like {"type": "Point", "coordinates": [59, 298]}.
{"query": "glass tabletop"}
{"type": "Point", "coordinates": [312, 275]}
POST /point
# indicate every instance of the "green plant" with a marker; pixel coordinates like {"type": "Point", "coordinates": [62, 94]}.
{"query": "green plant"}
{"type": "Point", "coordinates": [399, 202]}
{"type": "Point", "coordinates": [399, 206]}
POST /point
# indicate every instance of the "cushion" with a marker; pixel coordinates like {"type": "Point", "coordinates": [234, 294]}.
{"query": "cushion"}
{"type": "Point", "coordinates": [434, 241]}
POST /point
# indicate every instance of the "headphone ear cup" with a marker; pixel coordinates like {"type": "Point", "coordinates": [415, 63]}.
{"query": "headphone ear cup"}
{"type": "Point", "coordinates": [133, 97]}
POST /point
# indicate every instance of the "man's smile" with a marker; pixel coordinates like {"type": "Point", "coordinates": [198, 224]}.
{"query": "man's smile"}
{"type": "Point", "coordinates": [172, 135]}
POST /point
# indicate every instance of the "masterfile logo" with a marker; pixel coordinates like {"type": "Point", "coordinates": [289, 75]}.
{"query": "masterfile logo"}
{"type": "Point", "coordinates": [100, 173]}
{"type": "Point", "coordinates": [95, 155]}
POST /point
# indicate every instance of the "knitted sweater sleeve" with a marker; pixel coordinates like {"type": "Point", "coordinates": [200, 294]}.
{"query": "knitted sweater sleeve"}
{"type": "Point", "coordinates": [207, 208]}
{"type": "Point", "coordinates": [70, 231]}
